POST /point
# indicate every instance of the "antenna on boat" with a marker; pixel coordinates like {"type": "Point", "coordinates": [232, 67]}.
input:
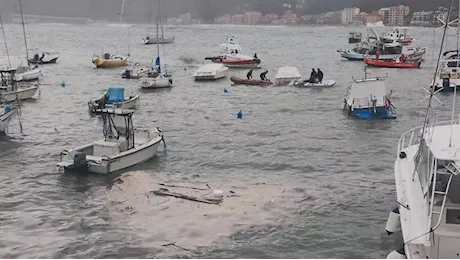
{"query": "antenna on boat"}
{"type": "Point", "coordinates": [432, 88]}
{"type": "Point", "coordinates": [455, 88]}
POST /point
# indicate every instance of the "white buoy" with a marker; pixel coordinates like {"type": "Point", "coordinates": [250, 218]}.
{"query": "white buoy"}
{"type": "Point", "coordinates": [397, 254]}
{"type": "Point", "coordinates": [218, 194]}
{"type": "Point", "coordinates": [393, 222]}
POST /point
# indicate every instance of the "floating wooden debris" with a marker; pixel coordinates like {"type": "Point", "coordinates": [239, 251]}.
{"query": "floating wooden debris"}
{"type": "Point", "coordinates": [165, 192]}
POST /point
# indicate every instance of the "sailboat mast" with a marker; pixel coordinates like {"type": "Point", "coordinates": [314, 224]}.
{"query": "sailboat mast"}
{"type": "Point", "coordinates": [158, 36]}
{"type": "Point", "coordinates": [24, 32]}
{"type": "Point", "coordinates": [161, 23]}
{"type": "Point", "coordinates": [122, 11]}
{"type": "Point", "coordinates": [6, 44]}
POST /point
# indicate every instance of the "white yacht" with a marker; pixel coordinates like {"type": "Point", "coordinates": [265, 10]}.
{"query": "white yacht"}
{"type": "Point", "coordinates": [427, 179]}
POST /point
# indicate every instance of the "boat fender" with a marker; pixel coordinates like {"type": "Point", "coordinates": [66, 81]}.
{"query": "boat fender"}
{"type": "Point", "coordinates": [402, 155]}
{"type": "Point", "coordinates": [393, 222]}
{"type": "Point", "coordinates": [397, 254]}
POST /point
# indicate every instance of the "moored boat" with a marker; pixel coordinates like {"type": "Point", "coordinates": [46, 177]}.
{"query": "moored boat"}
{"type": "Point", "coordinates": [110, 60]}
{"type": "Point", "coordinates": [355, 37]}
{"type": "Point", "coordinates": [287, 75]}
{"type": "Point", "coordinates": [154, 40]}
{"type": "Point", "coordinates": [250, 82]}
{"type": "Point", "coordinates": [123, 146]}
{"type": "Point", "coordinates": [138, 71]}
{"type": "Point", "coordinates": [307, 83]}
{"type": "Point", "coordinates": [114, 99]}
{"type": "Point", "coordinates": [44, 58]}
{"type": "Point", "coordinates": [367, 99]}
{"type": "Point", "coordinates": [211, 71]}
{"type": "Point", "coordinates": [393, 64]}
{"type": "Point", "coordinates": [10, 90]}
{"type": "Point", "coordinates": [231, 55]}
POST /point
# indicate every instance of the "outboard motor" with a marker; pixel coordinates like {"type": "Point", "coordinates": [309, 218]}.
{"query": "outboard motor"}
{"type": "Point", "coordinates": [127, 74]}
{"type": "Point", "coordinates": [79, 161]}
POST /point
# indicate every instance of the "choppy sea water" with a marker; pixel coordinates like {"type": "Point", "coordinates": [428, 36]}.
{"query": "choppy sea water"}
{"type": "Point", "coordinates": [328, 179]}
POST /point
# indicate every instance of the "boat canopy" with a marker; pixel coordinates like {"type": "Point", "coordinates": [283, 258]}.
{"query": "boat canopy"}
{"type": "Point", "coordinates": [362, 93]}
{"type": "Point", "coordinates": [115, 95]}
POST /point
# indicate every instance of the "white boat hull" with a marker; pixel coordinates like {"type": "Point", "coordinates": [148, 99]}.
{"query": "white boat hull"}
{"type": "Point", "coordinates": [29, 75]}
{"type": "Point", "coordinates": [20, 94]}
{"type": "Point", "coordinates": [109, 164]}
{"type": "Point", "coordinates": [5, 121]}
{"type": "Point", "coordinates": [158, 40]}
{"type": "Point", "coordinates": [154, 83]}
{"type": "Point", "coordinates": [326, 83]}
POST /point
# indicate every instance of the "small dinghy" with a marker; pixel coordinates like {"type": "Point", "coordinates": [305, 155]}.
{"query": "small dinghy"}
{"type": "Point", "coordinates": [123, 146]}
{"type": "Point", "coordinates": [393, 64]}
{"type": "Point", "coordinates": [307, 83]}
{"type": "Point", "coordinates": [211, 71]}
{"type": "Point", "coordinates": [250, 82]}
{"type": "Point", "coordinates": [6, 114]}
{"type": "Point", "coordinates": [44, 58]}
{"type": "Point", "coordinates": [114, 99]}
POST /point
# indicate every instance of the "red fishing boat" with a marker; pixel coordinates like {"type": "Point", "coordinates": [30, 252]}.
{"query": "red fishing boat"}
{"type": "Point", "coordinates": [235, 62]}
{"type": "Point", "coordinates": [393, 64]}
{"type": "Point", "coordinates": [250, 82]}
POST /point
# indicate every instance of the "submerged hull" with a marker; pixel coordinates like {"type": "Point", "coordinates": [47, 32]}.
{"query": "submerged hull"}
{"type": "Point", "coordinates": [250, 82]}
{"type": "Point", "coordinates": [158, 40]}
{"type": "Point", "coordinates": [155, 83]}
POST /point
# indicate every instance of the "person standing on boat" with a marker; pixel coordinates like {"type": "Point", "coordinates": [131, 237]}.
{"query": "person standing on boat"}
{"type": "Point", "coordinates": [263, 75]}
{"type": "Point", "coordinates": [249, 75]}
{"type": "Point", "coordinates": [255, 56]}
{"type": "Point", "coordinates": [320, 76]}
{"type": "Point", "coordinates": [377, 55]}
{"type": "Point", "coordinates": [313, 76]}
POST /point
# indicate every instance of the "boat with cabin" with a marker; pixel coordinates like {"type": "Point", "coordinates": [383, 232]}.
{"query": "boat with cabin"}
{"type": "Point", "coordinates": [395, 37]}
{"type": "Point", "coordinates": [211, 71]}
{"type": "Point", "coordinates": [427, 182]}
{"type": "Point", "coordinates": [7, 111]}
{"type": "Point", "coordinates": [159, 39]}
{"type": "Point", "coordinates": [366, 50]}
{"type": "Point", "coordinates": [231, 55]}
{"type": "Point", "coordinates": [354, 37]}
{"type": "Point", "coordinates": [287, 75]}
{"type": "Point", "coordinates": [448, 74]}
{"type": "Point", "coordinates": [114, 99]}
{"type": "Point", "coordinates": [367, 98]}
{"type": "Point", "coordinates": [123, 146]}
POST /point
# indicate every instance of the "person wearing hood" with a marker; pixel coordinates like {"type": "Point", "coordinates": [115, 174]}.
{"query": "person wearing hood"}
{"type": "Point", "coordinates": [320, 75]}
{"type": "Point", "coordinates": [313, 76]}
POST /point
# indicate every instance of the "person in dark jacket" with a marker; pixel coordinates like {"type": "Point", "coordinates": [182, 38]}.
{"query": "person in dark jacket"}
{"type": "Point", "coordinates": [320, 76]}
{"type": "Point", "coordinates": [313, 76]}
{"type": "Point", "coordinates": [263, 75]}
{"type": "Point", "coordinates": [249, 75]}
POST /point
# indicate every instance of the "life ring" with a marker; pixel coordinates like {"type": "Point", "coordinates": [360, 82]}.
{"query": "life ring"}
{"type": "Point", "coordinates": [137, 64]}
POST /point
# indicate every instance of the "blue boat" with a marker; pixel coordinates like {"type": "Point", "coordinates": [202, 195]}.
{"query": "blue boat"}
{"type": "Point", "coordinates": [367, 99]}
{"type": "Point", "coordinates": [114, 98]}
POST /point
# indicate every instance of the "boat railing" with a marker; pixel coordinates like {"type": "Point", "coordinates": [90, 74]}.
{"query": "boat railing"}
{"type": "Point", "coordinates": [413, 135]}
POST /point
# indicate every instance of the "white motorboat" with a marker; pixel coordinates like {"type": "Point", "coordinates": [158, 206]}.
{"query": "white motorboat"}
{"type": "Point", "coordinates": [211, 71]}
{"type": "Point", "coordinates": [231, 55]}
{"type": "Point", "coordinates": [287, 75]}
{"type": "Point", "coordinates": [394, 37]}
{"type": "Point", "coordinates": [161, 81]}
{"type": "Point", "coordinates": [138, 71]}
{"type": "Point", "coordinates": [123, 146]}
{"type": "Point", "coordinates": [427, 180]}
{"type": "Point", "coordinates": [307, 83]}
{"type": "Point", "coordinates": [114, 99]}
{"type": "Point", "coordinates": [29, 73]}
{"type": "Point", "coordinates": [6, 114]}
{"type": "Point", "coordinates": [10, 90]}
{"type": "Point", "coordinates": [161, 40]}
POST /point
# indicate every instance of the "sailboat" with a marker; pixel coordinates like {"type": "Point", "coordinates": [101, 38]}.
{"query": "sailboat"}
{"type": "Point", "coordinates": [158, 39]}
{"type": "Point", "coordinates": [26, 73]}
{"type": "Point", "coordinates": [161, 79]}
{"type": "Point", "coordinates": [109, 60]}
{"type": "Point", "coordinates": [10, 90]}
{"type": "Point", "coordinates": [427, 179]}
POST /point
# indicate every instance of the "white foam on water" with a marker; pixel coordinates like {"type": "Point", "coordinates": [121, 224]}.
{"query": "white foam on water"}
{"type": "Point", "coordinates": [159, 220]}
